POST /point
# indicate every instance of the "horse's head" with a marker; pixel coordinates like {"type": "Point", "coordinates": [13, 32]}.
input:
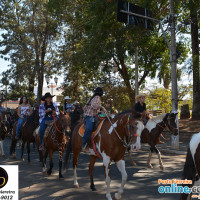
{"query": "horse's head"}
{"type": "Point", "coordinates": [170, 120]}
{"type": "Point", "coordinates": [65, 121]}
{"type": "Point", "coordinates": [135, 128]}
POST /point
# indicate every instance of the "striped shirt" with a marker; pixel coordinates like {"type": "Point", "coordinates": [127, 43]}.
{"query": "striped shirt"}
{"type": "Point", "coordinates": [94, 107]}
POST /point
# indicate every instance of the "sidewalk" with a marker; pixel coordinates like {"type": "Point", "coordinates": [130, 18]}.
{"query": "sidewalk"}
{"type": "Point", "coordinates": [166, 148]}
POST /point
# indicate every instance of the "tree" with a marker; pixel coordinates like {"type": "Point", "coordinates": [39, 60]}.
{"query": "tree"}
{"type": "Point", "coordinates": [30, 33]}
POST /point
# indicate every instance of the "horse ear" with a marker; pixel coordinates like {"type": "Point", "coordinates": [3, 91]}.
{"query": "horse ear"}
{"type": "Point", "coordinates": [62, 113]}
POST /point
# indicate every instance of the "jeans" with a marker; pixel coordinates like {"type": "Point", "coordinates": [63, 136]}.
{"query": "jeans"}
{"type": "Point", "coordinates": [43, 127]}
{"type": "Point", "coordinates": [89, 124]}
{"type": "Point", "coordinates": [19, 125]}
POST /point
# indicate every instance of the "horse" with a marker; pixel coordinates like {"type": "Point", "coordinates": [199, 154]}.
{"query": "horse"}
{"type": "Point", "coordinates": [55, 139]}
{"type": "Point", "coordinates": [191, 170]}
{"type": "Point", "coordinates": [28, 126]}
{"type": "Point", "coordinates": [153, 131]}
{"type": "Point", "coordinates": [3, 131]}
{"type": "Point", "coordinates": [112, 139]}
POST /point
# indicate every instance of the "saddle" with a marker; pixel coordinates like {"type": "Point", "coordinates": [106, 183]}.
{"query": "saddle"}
{"type": "Point", "coordinates": [97, 127]}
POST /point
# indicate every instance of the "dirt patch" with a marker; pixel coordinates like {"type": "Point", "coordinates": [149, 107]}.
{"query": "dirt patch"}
{"type": "Point", "coordinates": [189, 125]}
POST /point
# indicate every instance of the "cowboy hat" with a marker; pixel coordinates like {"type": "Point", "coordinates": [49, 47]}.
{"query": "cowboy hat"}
{"type": "Point", "coordinates": [98, 90]}
{"type": "Point", "coordinates": [140, 95]}
{"type": "Point", "coordinates": [67, 97]}
{"type": "Point", "coordinates": [47, 95]}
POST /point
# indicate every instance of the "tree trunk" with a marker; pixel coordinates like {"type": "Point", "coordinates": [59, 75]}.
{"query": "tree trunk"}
{"type": "Point", "coordinates": [124, 73]}
{"type": "Point", "coordinates": [195, 60]}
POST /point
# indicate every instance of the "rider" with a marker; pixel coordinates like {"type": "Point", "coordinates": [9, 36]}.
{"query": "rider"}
{"type": "Point", "coordinates": [2, 109]}
{"type": "Point", "coordinates": [91, 109]}
{"type": "Point", "coordinates": [67, 105]}
{"type": "Point", "coordinates": [140, 106]}
{"type": "Point", "coordinates": [24, 110]}
{"type": "Point", "coordinates": [47, 110]}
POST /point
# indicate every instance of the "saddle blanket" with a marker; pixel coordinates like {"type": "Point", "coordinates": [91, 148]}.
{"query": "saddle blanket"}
{"type": "Point", "coordinates": [95, 133]}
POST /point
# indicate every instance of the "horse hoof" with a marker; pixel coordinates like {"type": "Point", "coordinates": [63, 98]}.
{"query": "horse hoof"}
{"type": "Point", "coordinates": [61, 177]}
{"type": "Point", "coordinates": [150, 166]}
{"type": "Point", "coordinates": [76, 186]}
{"type": "Point", "coordinates": [94, 189]}
{"type": "Point", "coordinates": [116, 198]}
{"type": "Point", "coordinates": [48, 173]}
{"type": "Point", "coordinates": [162, 168]}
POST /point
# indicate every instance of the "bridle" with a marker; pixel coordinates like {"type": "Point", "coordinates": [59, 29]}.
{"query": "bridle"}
{"type": "Point", "coordinates": [169, 124]}
{"type": "Point", "coordinates": [123, 141]}
{"type": "Point", "coordinates": [59, 131]}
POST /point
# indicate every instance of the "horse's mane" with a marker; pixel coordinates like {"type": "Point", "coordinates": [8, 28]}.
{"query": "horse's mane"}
{"type": "Point", "coordinates": [32, 117]}
{"type": "Point", "coordinates": [160, 117]}
{"type": "Point", "coordinates": [124, 112]}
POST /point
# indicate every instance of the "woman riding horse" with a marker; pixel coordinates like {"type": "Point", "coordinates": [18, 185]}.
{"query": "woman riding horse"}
{"type": "Point", "coordinates": [91, 109]}
{"type": "Point", "coordinates": [47, 110]}
{"type": "Point", "coordinates": [24, 111]}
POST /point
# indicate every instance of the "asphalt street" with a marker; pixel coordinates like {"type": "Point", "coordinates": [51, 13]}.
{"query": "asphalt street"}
{"type": "Point", "coordinates": [142, 182]}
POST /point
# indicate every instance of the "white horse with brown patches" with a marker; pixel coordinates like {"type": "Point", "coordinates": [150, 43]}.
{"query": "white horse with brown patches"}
{"type": "Point", "coordinates": [111, 142]}
{"type": "Point", "coordinates": [191, 169]}
{"type": "Point", "coordinates": [153, 131]}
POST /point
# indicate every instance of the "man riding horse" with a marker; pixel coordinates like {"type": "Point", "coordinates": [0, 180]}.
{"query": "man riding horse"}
{"type": "Point", "coordinates": [91, 109]}
{"type": "Point", "coordinates": [47, 111]}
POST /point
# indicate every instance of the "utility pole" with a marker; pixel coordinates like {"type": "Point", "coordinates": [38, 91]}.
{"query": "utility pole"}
{"type": "Point", "coordinates": [173, 60]}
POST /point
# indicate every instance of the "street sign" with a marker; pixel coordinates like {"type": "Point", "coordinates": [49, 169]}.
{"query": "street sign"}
{"type": "Point", "coordinates": [131, 18]}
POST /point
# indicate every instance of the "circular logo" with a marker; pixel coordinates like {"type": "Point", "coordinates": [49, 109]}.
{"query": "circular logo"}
{"type": "Point", "coordinates": [3, 177]}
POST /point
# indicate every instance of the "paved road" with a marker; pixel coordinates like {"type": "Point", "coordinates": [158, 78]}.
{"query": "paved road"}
{"type": "Point", "coordinates": [142, 182]}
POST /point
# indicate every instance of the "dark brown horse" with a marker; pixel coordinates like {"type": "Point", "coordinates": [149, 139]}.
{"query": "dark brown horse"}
{"type": "Point", "coordinates": [55, 139]}
{"type": "Point", "coordinates": [26, 132]}
{"type": "Point", "coordinates": [191, 169]}
{"type": "Point", "coordinates": [3, 131]}
{"type": "Point", "coordinates": [153, 131]}
{"type": "Point", "coordinates": [111, 142]}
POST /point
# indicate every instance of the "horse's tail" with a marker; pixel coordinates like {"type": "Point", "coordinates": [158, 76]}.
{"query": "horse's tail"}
{"type": "Point", "coordinates": [68, 153]}
{"type": "Point", "coordinates": [189, 172]}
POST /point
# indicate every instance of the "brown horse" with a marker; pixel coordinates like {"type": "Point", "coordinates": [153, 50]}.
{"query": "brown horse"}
{"type": "Point", "coordinates": [26, 133]}
{"type": "Point", "coordinates": [3, 131]}
{"type": "Point", "coordinates": [55, 138]}
{"type": "Point", "coordinates": [153, 131]}
{"type": "Point", "coordinates": [113, 138]}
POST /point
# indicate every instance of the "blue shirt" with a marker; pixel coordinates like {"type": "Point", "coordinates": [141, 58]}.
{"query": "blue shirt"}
{"type": "Point", "coordinates": [2, 109]}
{"type": "Point", "coordinates": [68, 107]}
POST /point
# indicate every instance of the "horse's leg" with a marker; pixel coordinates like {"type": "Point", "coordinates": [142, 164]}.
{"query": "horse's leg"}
{"type": "Point", "coordinates": [149, 158]}
{"type": "Point", "coordinates": [159, 158]}
{"type": "Point", "coordinates": [60, 164]}
{"type": "Point", "coordinates": [91, 171]}
{"type": "Point", "coordinates": [50, 162]}
{"type": "Point", "coordinates": [75, 163]}
{"type": "Point", "coordinates": [121, 168]}
{"type": "Point", "coordinates": [3, 154]}
{"type": "Point", "coordinates": [22, 151]}
{"type": "Point", "coordinates": [1, 148]}
{"type": "Point", "coordinates": [28, 151]}
{"type": "Point", "coordinates": [106, 163]}
{"type": "Point", "coordinates": [131, 159]}
{"type": "Point", "coordinates": [44, 159]}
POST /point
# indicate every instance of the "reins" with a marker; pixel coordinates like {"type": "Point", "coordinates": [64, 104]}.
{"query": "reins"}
{"type": "Point", "coordinates": [54, 118]}
{"type": "Point", "coordinates": [123, 142]}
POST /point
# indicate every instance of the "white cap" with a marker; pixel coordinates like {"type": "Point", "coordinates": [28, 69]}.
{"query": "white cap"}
{"type": "Point", "coordinates": [67, 97]}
